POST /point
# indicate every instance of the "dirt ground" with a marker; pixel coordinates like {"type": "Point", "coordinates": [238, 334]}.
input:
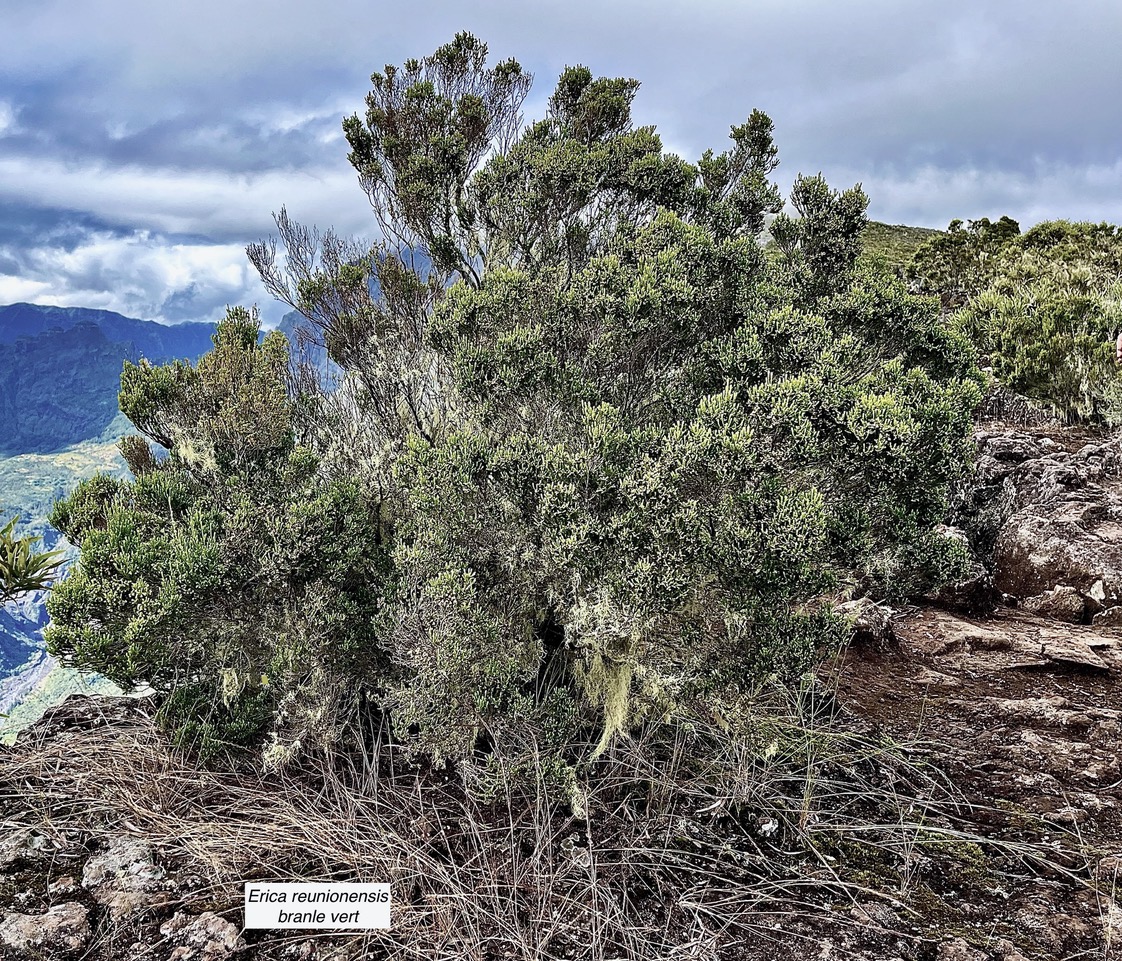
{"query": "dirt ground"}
{"type": "Point", "coordinates": [1023, 716]}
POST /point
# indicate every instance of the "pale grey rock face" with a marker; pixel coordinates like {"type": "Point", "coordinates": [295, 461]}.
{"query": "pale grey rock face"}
{"type": "Point", "coordinates": [63, 930]}
{"type": "Point", "coordinates": [1055, 519]}
{"type": "Point", "coordinates": [124, 878]}
{"type": "Point", "coordinates": [205, 937]}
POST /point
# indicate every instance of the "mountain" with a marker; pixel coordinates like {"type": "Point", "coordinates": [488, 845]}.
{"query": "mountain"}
{"type": "Point", "coordinates": [146, 337]}
{"type": "Point", "coordinates": [60, 370]}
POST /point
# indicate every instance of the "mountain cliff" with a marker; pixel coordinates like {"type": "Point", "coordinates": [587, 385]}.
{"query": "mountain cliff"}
{"type": "Point", "coordinates": [61, 367]}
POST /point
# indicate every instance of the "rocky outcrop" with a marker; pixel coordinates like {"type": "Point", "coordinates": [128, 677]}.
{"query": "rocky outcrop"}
{"type": "Point", "coordinates": [1050, 518]}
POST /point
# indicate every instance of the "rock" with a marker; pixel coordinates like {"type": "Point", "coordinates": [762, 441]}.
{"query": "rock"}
{"type": "Point", "coordinates": [872, 623]}
{"type": "Point", "coordinates": [206, 937]}
{"type": "Point", "coordinates": [1078, 545]}
{"type": "Point", "coordinates": [1111, 617]}
{"type": "Point", "coordinates": [27, 844]}
{"type": "Point", "coordinates": [1045, 516]}
{"type": "Point", "coordinates": [873, 914]}
{"type": "Point", "coordinates": [1007, 951]}
{"type": "Point", "coordinates": [304, 951]}
{"type": "Point", "coordinates": [1062, 522]}
{"type": "Point", "coordinates": [959, 950]}
{"type": "Point", "coordinates": [124, 877]}
{"type": "Point", "coordinates": [1112, 930]}
{"type": "Point", "coordinates": [1061, 604]}
{"type": "Point", "coordinates": [64, 929]}
{"type": "Point", "coordinates": [927, 677]}
{"type": "Point", "coordinates": [1109, 870]}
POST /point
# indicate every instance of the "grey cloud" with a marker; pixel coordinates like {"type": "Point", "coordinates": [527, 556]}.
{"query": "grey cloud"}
{"type": "Point", "coordinates": [192, 123]}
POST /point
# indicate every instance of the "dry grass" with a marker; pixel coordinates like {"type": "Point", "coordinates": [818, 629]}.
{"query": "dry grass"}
{"type": "Point", "coordinates": [693, 844]}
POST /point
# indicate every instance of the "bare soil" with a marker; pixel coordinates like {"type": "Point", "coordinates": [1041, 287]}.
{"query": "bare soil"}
{"type": "Point", "coordinates": [1023, 716]}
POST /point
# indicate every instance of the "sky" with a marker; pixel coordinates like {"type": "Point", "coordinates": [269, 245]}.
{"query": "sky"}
{"type": "Point", "coordinates": [144, 144]}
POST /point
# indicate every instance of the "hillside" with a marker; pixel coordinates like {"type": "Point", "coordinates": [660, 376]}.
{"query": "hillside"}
{"type": "Point", "coordinates": [29, 485]}
{"type": "Point", "coordinates": [60, 370]}
{"type": "Point", "coordinates": [894, 244]}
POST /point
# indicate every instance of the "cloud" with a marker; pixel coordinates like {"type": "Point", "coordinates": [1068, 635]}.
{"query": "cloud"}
{"type": "Point", "coordinates": [141, 275]}
{"type": "Point", "coordinates": [139, 130]}
{"type": "Point", "coordinates": [932, 196]}
{"type": "Point", "coordinates": [211, 203]}
{"type": "Point", "coordinates": [7, 119]}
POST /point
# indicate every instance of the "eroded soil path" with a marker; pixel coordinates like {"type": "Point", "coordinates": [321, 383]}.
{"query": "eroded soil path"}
{"type": "Point", "coordinates": [1023, 716]}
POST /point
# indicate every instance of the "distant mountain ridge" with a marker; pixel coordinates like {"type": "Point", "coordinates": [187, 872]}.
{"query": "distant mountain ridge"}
{"type": "Point", "coordinates": [149, 338]}
{"type": "Point", "coordinates": [61, 370]}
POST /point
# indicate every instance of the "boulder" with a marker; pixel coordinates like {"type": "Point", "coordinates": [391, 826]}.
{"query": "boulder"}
{"type": "Point", "coordinates": [1054, 517]}
{"type": "Point", "coordinates": [959, 950]}
{"type": "Point", "coordinates": [1061, 604]}
{"type": "Point", "coordinates": [1111, 617]}
{"type": "Point", "coordinates": [206, 937]}
{"type": "Point", "coordinates": [124, 878]}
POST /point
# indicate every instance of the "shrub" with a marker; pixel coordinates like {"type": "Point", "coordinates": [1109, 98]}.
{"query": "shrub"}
{"type": "Point", "coordinates": [612, 459]}
{"type": "Point", "coordinates": [1043, 307]}
{"type": "Point", "coordinates": [229, 576]}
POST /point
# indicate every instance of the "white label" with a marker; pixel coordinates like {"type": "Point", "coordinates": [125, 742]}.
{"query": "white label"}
{"type": "Point", "coordinates": [316, 905]}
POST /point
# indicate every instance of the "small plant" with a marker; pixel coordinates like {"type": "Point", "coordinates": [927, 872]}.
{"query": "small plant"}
{"type": "Point", "coordinates": [22, 568]}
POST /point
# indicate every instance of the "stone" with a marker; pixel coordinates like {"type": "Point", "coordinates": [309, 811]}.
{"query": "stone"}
{"type": "Point", "coordinates": [1063, 603]}
{"type": "Point", "coordinates": [872, 623]}
{"type": "Point", "coordinates": [25, 844]}
{"type": "Point", "coordinates": [1053, 517]}
{"type": "Point", "coordinates": [959, 950]}
{"type": "Point", "coordinates": [64, 929]}
{"type": "Point", "coordinates": [1109, 870]}
{"type": "Point", "coordinates": [929, 678]}
{"type": "Point", "coordinates": [1007, 951]}
{"type": "Point", "coordinates": [205, 937]}
{"type": "Point", "coordinates": [124, 877]}
{"type": "Point", "coordinates": [1111, 617]}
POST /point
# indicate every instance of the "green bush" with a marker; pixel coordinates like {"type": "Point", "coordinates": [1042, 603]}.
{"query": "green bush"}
{"type": "Point", "coordinates": [596, 461]}
{"type": "Point", "coordinates": [230, 576]}
{"type": "Point", "coordinates": [1043, 308]}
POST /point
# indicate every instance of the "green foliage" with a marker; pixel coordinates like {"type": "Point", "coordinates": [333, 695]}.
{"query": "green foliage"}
{"type": "Point", "coordinates": [823, 242]}
{"type": "Point", "coordinates": [958, 264]}
{"type": "Point", "coordinates": [22, 568]}
{"type": "Point", "coordinates": [229, 575]}
{"type": "Point", "coordinates": [596, 461]}
{"type": "Point", "coordinates": [1043, 308]}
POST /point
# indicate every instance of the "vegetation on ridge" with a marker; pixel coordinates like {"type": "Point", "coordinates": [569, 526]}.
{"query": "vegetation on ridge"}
{"type": "Point", "coordinates": [596, 461]}
{"type": "Point", "coordinates": [1043, 307]}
